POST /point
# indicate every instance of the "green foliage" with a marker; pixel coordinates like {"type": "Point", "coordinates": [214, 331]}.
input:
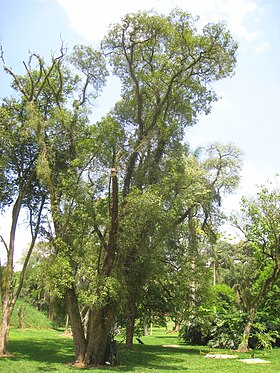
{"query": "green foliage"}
{"type": "Point", "coordinates": [218, 322]}
{"type": "Point", "coordinates": [265, 339]}
{"type": "Point", "coordinates": [59, 274]}
{"type": "Point", "coordinates": [162, 55]}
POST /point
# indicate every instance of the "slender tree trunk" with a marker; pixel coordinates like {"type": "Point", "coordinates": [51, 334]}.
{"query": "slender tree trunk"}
{"type": "Point", "coordinates": [67, 323]}
{"type": "Point", "coordinates": [145, 328]}
{"type": "Point", "coordinates": [7, 305]}
{"type": "Point", "coordinates": [130, 324]}
{"type": "Point", "coordinates": [10, 296]}
{"type": "Point", "coordinates": [5, 327]}
{"type": "Point", "coordinates": [51, 309]}
{"type": "Point", "coordinates": [244, 345]}
{"type": "Point", "coordinates": [21, 317]}
{"type": "Point", "coordinates": [176, 326]}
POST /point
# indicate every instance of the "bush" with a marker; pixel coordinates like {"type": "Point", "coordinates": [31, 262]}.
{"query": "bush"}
{"type": "Point", "coordinates": [218, 323]}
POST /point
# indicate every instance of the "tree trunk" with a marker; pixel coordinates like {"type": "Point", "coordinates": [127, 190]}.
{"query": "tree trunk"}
{"type": "Point", "coordinates": [145, 326]}
{"type": "Point", "coordinates": [51, 309]}
{"type": "Point", "coordinates": [96, 347]}
{"type": "Point", "coordinates": [130, 323]}
{"type": "Point", "coordinates": [176, 327]}
{"type": "Point", "coordinates": [244, 345]}
{"type": "Point", "coordinates": [76, 325]}
{"type": "Point", "coordinates": [5, 327]}
{"type": "Point", "coordinates": [21, 317]}
{"type": "Point", "coordinates": [100, 326]}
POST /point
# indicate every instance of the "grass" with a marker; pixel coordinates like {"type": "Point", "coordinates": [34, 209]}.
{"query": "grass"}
{"type": "Point", "coordinates": [32, 317]}
{"type": "Point", "coordinates": [48, 351]}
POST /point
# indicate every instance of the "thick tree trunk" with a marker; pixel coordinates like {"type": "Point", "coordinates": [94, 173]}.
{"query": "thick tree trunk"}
{"type": "Point", "coordinates": [130, 324]}
{"type": "Point", "coordinates": [244, 345]}
{"type": "Point", "coordinates": [96, 347]}
{"type": "Point", "coordinates": [100, 327]}
{"type": "Point", "coordinates": [76, 325]}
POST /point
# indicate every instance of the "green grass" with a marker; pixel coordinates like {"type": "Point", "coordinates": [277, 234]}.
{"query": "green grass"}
{"type": "Point", "coordinates": [48, 351]}
{"type": "Point", "coordinates": [32, 317]}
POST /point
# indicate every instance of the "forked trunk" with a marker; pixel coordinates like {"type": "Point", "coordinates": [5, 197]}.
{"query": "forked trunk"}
{"type": "Point", "coordinates": [244, 345]}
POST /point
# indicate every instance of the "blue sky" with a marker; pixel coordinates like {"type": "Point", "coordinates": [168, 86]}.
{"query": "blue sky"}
{"type": "Point", "coordinates": [248, 112]}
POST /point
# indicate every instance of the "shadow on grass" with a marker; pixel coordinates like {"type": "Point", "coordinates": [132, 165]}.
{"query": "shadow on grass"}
{"type": "Point", "coordinates": [47, 350]}
{"type": "Point", "coordinates": [157, 357]}
{"type": "Point", "coordinates": [52, 350]}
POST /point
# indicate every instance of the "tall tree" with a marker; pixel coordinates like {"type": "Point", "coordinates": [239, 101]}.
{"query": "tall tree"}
{"type": "Point", "coordinates": [20, 189]}
{"type": "Point", "coordinates": [165, 68]}
{"type": "Point", "coordinates": [40, 137]}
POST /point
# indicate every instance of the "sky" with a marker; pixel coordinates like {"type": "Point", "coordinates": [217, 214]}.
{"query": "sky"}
{"type": "Point", "coordinates": [247, 113]}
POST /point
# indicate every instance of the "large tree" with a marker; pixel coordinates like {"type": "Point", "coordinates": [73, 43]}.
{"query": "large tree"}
{"type": "Point", "coordinates": [165, 67]}
{"type": "Point", "coordinates": [97, 177]}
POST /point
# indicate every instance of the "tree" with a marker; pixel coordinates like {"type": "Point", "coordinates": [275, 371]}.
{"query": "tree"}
{"type": "Point", "coordinates": [165, 68]}
{"type": "Point", "coordinates": [46, 134]}
{"type": "Point", "coordinates": [260, 253]}
{"type": "Point", "coordinates": [20, 189]}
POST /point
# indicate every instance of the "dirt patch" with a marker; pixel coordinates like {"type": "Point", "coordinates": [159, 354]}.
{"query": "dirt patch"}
{"type": "Point", "coordinates": [66, 335]}
{"type": "Point", "coordinates": [255, 361]}
{"type": "Point", "coordinates": [6, 356]}
{"type": "Point", "coordinates": [221, 356]}
{"type": "Point", "coordinates": [171, 346]}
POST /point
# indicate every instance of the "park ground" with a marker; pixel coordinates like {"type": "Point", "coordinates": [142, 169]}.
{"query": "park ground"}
{"type": "Point", "coordinates": [52, 351]}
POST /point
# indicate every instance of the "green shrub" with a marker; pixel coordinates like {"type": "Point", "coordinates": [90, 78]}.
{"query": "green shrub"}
{"type": "Point", "coordinates": [217, 323]}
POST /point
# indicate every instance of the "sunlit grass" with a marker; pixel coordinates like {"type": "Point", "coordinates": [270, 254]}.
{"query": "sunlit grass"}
{"type": "Point", "coordinates": [48, 351]}
{"type": "Point", "coordinates": [32, 317]}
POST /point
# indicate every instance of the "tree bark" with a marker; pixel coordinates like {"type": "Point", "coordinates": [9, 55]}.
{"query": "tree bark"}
{"type": "Point", "coordinates": [244, 345]}
{"type": "Point", "coordinates": [130, 324]}
{"type": "Point", "coordinates": [51, 310]}
{"type": "Point", "coordinates": [76, 325]}
{"type": "Point", "coordinates": [100, 326]}
{"type": "Point", "coordinates": [5, 326]}
{"type": "Point", "coordinates": [21, 317]}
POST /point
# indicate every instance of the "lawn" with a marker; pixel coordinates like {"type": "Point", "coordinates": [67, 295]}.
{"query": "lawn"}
{"type": "Point", "coordinates": [48, 351]}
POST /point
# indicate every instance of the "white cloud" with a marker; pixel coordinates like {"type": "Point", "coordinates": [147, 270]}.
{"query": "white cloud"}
{"type": "Point", "coordinates": [262, 47]}
{"type": "Point", "coordinates": [91, 18]}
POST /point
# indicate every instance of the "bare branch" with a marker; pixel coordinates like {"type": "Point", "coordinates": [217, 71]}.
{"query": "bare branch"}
{"type": "Point", "coordinates": [5, 244]}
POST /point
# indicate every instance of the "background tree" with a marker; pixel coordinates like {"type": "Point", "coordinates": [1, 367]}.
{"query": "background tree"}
{"type": "Point", "coordinates": [20, 189]}
{"type": "Point", "coordinates": [259, 223]}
